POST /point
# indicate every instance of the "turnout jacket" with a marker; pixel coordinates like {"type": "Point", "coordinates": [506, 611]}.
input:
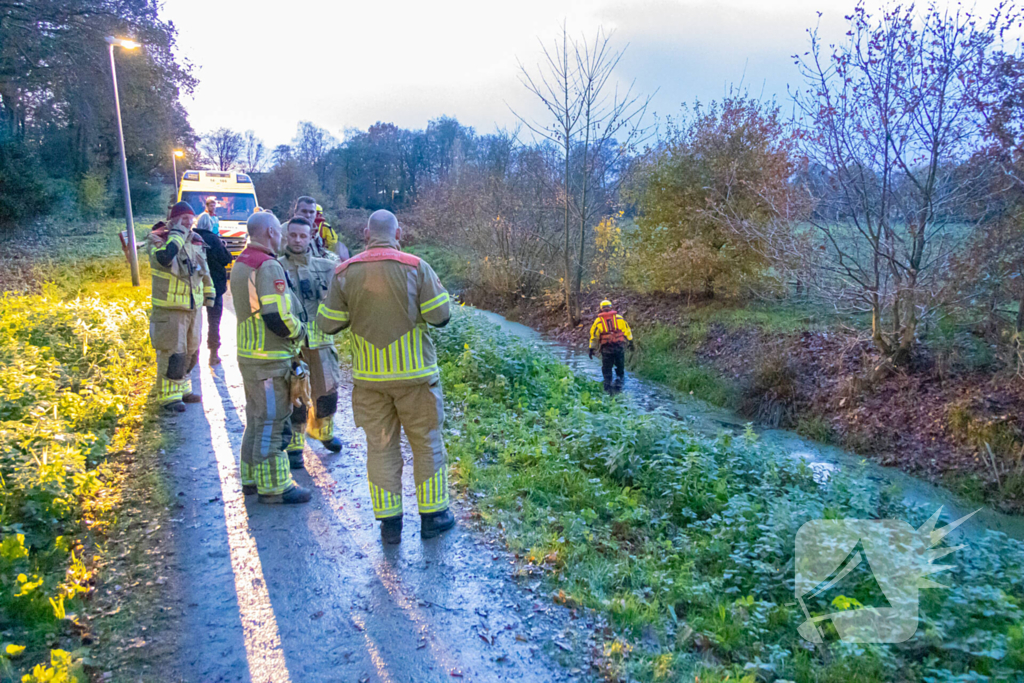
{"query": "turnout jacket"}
{"type": "Point", "coordinates": [309, 278]}
{"type": "Point", "coordinates": [269, 328]}
{"type": "Point", "coordinates": [609, 329]}
{"type": "Point", "coordinates": [386, 298]}
{"type": "Point", "coordinates": [324, 237]}
{"type": "Point", "coordinates": [178, 267]}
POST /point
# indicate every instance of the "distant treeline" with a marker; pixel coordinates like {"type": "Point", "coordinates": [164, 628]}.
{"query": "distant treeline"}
{"type": "Point", "coordinates": [58, 139]}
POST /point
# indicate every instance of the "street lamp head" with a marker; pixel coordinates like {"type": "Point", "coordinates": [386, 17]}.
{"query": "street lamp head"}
{"type": "Point", "coordinates": [179, 153]}
{"type": "Point", "coordinates": [123, 42]}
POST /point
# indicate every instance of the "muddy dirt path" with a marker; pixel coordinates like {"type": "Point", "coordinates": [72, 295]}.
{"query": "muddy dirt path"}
{"type": "Point", "coordinates": [308, 593]}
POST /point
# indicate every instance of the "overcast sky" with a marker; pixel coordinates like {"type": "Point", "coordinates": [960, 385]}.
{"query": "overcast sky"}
{"type": "Point", "coordinates": [267, 64]}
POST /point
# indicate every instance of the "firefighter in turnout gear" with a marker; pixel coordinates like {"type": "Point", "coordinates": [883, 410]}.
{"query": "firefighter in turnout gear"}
{"type": "Point", "coordinates": [386, 299]}
{"type": "Point", "coordinates": [324, 240]}
{"type": "Point", "coordinates": [308, 279]}
{"type": "Point", "coordinates": [269, 335]}
{"type": "Point", "coordinates": [181, 288]}
{"type": "Point", "coordinates": [610, 334]}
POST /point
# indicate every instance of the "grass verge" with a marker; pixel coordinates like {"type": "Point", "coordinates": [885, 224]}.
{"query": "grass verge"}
{"type": "Point", "coordinates": [667, 354]}
{"type": "Point", "coordinates": [687, 543]}
{"type": "Point", "coordinates": [75, 374]}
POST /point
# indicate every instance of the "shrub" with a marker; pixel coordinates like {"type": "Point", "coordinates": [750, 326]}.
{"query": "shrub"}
{"type": "Point", "coordinates": [22, 193]}
{"type": "Point", "coordinates": [92, 195]}
{"type": "Point", "coordinates": [73, 382]}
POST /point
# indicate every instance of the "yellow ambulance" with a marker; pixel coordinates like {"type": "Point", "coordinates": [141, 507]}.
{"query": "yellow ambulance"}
{"type": "Point", "coordinates": [236, 201]}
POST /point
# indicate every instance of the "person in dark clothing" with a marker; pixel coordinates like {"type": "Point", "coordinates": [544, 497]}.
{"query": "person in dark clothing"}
{"type": "Point", "coordinates": [218, 258]}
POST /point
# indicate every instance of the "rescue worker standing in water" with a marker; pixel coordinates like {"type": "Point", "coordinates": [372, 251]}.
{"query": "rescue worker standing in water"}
{"type": "Point", "coordinates": [386, 298]}
{"type": "Point", "coordinates": [269, 335]}
{"type": "Point", "coordinates": [610, 333]}
{"type": "Point", "coordinates": [308, 278]}
{"type": "Point", "coordinates": [181, 288]}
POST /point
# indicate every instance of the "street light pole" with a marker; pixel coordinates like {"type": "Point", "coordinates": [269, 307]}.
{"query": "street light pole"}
{"type": "Point", "coordinates": [174, 160]}
{"type": "Point", "coordinates": [133, 254]}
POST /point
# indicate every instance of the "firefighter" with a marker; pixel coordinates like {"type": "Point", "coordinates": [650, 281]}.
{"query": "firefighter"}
{"type": "Point", "coordinates": [386, 298]}
{"type": "Point", "coordinates": [269, 335]}
{"type": "Point", "coordinates": [308, 278]}
{"type": "Point", "coordinates": [610, 333]}
{"type": "Point", "coordinates": [181, 288]}
{"type": "Point", "coordinates": [325, 240]}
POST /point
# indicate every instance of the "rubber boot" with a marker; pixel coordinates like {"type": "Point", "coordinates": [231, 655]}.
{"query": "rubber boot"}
{"type": "Point", "coordinates": [436, 523]}
{"type": "Point", "coordinates": [249, 489]}
{"type": "Point", "coordinates": [192, 398]}
{"type": "Point", "coordinates": [333, 444]}
{"type": "Point", "coordinates": [391, 530]}
{"type": "Point", "coordinates": [295, 460]}
{"type": "Point", "coordinates": [296, 495]}
{"type": "Point", "coordinates": [175, 407]}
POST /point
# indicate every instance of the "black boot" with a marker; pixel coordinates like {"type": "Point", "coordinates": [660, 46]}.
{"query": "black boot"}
{"type": "Point", "coordinates": [249, 489]}
{"type": "Point", "coordinates": [191, 398]}
{"type": "Point", "coordinates": [175, 407]}
{"type": "Point", "coordinates": [293, 496]}
{"type": "Point", "coordinates": [333, 444]}
{"type": "Point", "coordinates": [295, 460]}
{"type": "Point", "coordinates": [391, 530]}
{"type": "Point", "coordinates": [436, 523]}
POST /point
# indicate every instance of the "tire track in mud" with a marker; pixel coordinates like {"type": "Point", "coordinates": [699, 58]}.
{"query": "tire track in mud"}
{"type": "Point", "coordinates": [308, 593]}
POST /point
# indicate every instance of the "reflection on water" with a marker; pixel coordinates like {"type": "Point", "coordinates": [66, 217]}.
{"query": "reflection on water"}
{"type": "Point", "coordinates": [824, 460]}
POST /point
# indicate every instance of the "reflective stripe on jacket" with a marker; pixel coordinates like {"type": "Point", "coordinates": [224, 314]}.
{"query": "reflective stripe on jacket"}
{"type": "Point", "coordinates": [386, 298]}
{"type": "Point", "coordinates": [268, 325]}
{"type": "Point", "coordinates": [609, 328]}
{"type": "Point", "coordinates": [184, 282]}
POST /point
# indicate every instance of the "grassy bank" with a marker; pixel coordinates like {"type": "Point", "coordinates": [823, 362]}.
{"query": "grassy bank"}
{"type": "Point", "coordinates": [75, 366]}
{"type": "Point", "coordinates": [686, 543]}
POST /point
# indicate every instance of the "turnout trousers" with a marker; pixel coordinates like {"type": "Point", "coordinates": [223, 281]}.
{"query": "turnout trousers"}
{"type": "Point", "coordinates": [318, 419]}
{"type": "Point", "coordinates": [613, 355]}
{"type": "Point", "coordinates": [175, 335]}
{"type": "Point", "coordinates": [383, 412]}
{"type": "Point", "coordinates": [268, 406]}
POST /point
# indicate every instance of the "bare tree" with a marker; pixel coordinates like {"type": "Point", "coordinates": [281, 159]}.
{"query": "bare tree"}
{"type": "Point", "coordinates": [557, 87]}
{"type": "Point", "coordinates": [223, 147]}
{"type": "Point", "coordinates": [887, 120]}
{"type": "Point", "coordinates": [311, 145]}
{"type": "Point", "coordinates": [611, 126]}
{"type": "Point", "coordinates": [282, 153]}
{"type": "Point", "coordinates": [587, 120]}
{"type": "Point", "coordinates": [255, 159]}
{"type": "Point", "coordinates": [1000, 101]}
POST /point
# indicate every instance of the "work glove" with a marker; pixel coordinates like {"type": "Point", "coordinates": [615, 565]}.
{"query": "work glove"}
{"type": "Point", "coordinates": [631, 345]}
{"type": "Point", "coordinates": [298, 385]}
{"type": "Point", "coordinates": [209, 301]}
{"type": "Point", "coordinates": [591, 353]}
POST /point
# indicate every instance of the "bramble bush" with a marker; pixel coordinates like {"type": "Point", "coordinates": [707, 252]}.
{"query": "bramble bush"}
{"type": "Point", "coordinates": [686, 542]}
{"type": "Point", "coordinates": [74, 377]}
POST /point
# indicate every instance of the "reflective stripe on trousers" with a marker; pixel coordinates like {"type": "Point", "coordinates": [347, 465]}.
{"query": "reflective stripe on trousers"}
{"type": "Point", "coordinates": [267, 410]}
{"type": "Point", "coordinates": [384, 412]}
